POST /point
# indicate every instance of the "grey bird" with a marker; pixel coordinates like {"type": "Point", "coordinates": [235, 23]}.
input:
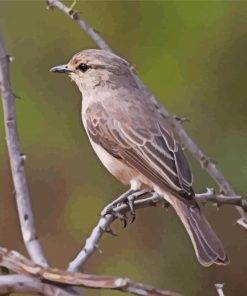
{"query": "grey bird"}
{"type": "Point", "coordinates": [133, 141]}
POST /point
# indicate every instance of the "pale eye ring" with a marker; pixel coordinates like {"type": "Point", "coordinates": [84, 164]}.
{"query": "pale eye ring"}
{"type": "Point", "coordinates": [83, 67]}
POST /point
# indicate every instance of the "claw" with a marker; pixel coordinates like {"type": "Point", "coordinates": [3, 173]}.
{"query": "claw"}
{"type": "Point", "coordinates": [121, 217]}
{"type": "Point", "coordinates": [109, 230]}
{"type": "Point", "coordinates": [132, 218]}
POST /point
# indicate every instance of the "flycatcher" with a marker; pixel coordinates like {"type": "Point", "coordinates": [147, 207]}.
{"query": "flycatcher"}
{"type": "Point", "coordinates": [135, 144]}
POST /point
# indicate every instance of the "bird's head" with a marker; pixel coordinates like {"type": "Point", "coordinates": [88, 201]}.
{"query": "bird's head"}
{"type": "Point", "coordinates": [92, 68]}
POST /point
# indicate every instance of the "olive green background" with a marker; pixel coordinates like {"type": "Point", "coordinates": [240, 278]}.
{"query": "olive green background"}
{"type": "Point", "coordinates": [193, 55]}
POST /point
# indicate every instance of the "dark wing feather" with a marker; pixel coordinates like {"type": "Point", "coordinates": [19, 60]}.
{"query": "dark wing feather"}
{"type": "Point", "coordinates": [152, 151]}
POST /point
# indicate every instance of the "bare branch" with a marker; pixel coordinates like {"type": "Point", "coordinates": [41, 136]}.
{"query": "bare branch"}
{"type": "Point", "coordinates": [21, 265]}
{"type": "Point", "coordinates": [17, 162]}
{"type": "Point", "coordinates": [82, 24]}
{"type": "Point", "coordinates": [25, 284]}
{"type": "Point", "coordinates": [205, 162]}
{"type": "Point", "coordinates": [147, 200]}
{"type": "Point", "coordinates": [92, 242]}
{"type": "Point", "coordinates": [221, 199]}
{"type": "Point", "coordinates": [219, 289]}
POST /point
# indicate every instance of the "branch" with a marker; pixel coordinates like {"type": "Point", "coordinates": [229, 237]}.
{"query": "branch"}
{"type": "Point", "coordinates": [148, 199]}
{"type": "Point", "coordinates": [221, 199]}
{"type": "Point", "coordinates": [21, 265]}
{"type": "Point", "coordinates": [30, 285]}
{"type": "Point", "coordinates": [219, 289]}
{"type": "Point", "coordinates": [92, 242]}
{"type": "Point", "coordinates": [205, 162]}
{"type": "Point", "coordinates": [17, 162]}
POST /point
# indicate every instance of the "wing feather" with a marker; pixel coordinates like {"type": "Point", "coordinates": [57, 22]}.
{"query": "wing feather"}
{"type": "Point", "coordinates": [152, 151]}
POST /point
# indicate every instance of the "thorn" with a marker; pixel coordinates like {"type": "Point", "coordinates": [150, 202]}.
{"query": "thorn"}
{"type": "Point", "coordinates": [109, 230]}
{"type": "Point", "coordinates": [16, 96]}
{"type": "Point", "coordinates": [72, 5]}
{"type": "Point", "coordinates": [98, 249]}
{"type": "Point", "coordinates": [219, 288]}
{"type": "Point", "coordinates": [96, 31]}
{"type": "Point", "coordinates": [210, 191]}
{"type": "Point", "coordinates": [10, 58]}
{"type": "Point", "coordinates": [23, 156]}
{"type": "Point", "coordinates": [214, 162]}
{"type": "Point", "coordinates": [242, 222]}
{"type": "Point", "coordinates": [181, 119]}
{"type": "Point", "coordinates": [204, 162]}
{"type": "Point", "coordinates": [49, 6]}
{"type": "Point", "coordinates": [133, 68]}
{"type": "Point", "coordinates": [221, 191]}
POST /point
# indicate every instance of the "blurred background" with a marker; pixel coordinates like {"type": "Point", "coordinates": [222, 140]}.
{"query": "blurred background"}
{"type": "Point", "coordinates": [192, 55]}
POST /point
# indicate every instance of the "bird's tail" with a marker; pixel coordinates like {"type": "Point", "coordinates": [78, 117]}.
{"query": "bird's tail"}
{"type": "Point", "coordinates": [208, 247]}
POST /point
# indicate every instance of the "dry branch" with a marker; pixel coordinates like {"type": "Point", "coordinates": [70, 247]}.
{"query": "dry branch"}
{"type": "Point", "coordinates": [23, 266]}
{"type": "Point", "coordinates": [92, 242]}
{"type": "Point", "coordinates": [17, 162]}
{"type": "Point", "coordinates": [224, 186]}
{"type": "Point", "coordinates": [147, 200]}
{"type": "Point", "coordinates": [24, 284]}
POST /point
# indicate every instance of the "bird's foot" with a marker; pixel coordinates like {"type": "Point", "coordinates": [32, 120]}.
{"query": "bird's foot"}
{"type": "Point", "coordinates": [111, 208]}
{"type": "Point", "coordinates": [130, 201]}
{"type": "Point", "coordinates": [114, 208]}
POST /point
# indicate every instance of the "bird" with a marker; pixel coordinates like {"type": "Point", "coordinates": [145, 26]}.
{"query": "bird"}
{"type": "Point", "coordinates": [135, 144]}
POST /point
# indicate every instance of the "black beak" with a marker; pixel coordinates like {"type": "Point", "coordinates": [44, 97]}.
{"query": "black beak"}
{"type": "Point", "coordinates": [60, 69]}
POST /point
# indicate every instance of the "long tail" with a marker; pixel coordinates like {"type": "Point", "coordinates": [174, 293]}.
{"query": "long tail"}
{"type": "Point", "coordinates": [208, 247]}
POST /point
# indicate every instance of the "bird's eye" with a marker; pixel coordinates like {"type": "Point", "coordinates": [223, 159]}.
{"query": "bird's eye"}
{"type": "Point", "coordinates": [83, 67]}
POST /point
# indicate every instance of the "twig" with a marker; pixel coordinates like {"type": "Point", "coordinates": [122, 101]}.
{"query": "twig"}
{"type": "Point", "coordinates": [17, 163]}
{"type": "Point", "coordinates": [92, 242]}
{"type": "Point", "coordinates": [219, 289]}
{"type": "Point", "coordinates": [149, 199]}
{"type": "Point", "coordinates": [221, 199]}
{"type": "Point", "coordinates": [82, 24]}
{"type": "Point", "coordinates": [205, 162]}
{"type": "Point", "coordinates": [24, 284]}
{"type": "Point", "coordinates": [21, 265]}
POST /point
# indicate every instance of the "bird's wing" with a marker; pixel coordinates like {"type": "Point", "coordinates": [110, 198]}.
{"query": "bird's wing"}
{"type": "Point", "coordinates": [152, 151]}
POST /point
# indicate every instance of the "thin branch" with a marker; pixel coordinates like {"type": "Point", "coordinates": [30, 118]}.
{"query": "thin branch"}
{"type": "Point", "coordinates": [205, 162]}
{"type": "Point", "coordinates": [92, 242]}
{"type": "Point", "coordinates": [219, 289]}
{"type": "Point", "coordinates": [23, 266]}
{"type": "Point", "coordinates": [17, 162]}
{"type": "Point", "coordinates": [147, 200]}
{"type": "Point", "coordinates": [221, 199]}
{"type": "Point", "coordinates": [82, 24]}
{"type": "Point", "coordinates": [30, 285]}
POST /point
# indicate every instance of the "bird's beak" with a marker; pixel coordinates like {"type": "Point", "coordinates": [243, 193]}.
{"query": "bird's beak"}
{"type": "Point", "coordinates": [61, 69]}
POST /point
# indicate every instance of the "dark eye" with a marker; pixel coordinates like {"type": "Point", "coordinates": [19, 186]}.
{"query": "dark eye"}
{"type": "Point", "coordinates": [83, 67]}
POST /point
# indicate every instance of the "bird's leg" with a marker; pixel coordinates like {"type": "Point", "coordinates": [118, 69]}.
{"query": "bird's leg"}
{"type": "Point", "coordinates": [131, 198]}
{"type": "Point", "coordinates": [122, 198]}
{"type": "Point", "coordinates": [128, 197]}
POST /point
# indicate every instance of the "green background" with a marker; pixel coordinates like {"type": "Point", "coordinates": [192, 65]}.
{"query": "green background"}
{"type": "Point", "coordinates": [193, 55]}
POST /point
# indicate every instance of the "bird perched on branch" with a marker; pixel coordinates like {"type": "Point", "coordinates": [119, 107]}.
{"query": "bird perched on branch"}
{"type": "Point", "coordinates": [133, 141]}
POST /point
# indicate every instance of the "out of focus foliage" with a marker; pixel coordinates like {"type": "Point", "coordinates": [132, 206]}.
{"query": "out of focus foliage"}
{"type": "Point", "coordinates": [193, 57]}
